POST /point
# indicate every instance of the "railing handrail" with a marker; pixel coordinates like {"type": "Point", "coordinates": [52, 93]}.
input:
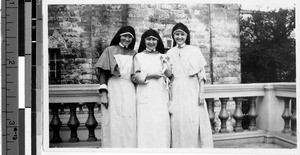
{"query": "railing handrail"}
{"type": "Point", "coordinates": [234, 90]}
{"type": "Point", "coordinates": [89, 93]}
{"type": "Point", "coordinates": [285, 90]}
{"type": "Point", "coordinates": [73, 93]}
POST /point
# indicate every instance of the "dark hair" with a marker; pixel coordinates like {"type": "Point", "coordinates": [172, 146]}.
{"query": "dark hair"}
{"type": "Point", "coordinates": [116, 39]}
{"type": "Point", "coordinates": [185, 29]}
{"type": "Point", "coordinates": [160, 46]}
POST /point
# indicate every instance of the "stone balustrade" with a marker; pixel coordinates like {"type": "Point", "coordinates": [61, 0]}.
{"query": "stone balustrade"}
{"type": "Point", "coordinates": [267, 106]}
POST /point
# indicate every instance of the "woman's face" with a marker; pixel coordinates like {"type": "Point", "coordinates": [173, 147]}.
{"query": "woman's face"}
{"type": "Point", "coordinates": [180, 37]}
{"type": "Point", "coordinates": [151, 43]}
{"type": "Point", "coordinates": [126, 40]}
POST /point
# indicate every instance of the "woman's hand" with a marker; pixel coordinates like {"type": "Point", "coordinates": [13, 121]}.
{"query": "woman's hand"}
{"type": "Point", "coordinates": [200, 101]}
{"type": "Point", "coordinates": [154, 75]}
{"type": "Point", "coordinates": [104, 99]}
{"type": "Point", "coordinates": [168, 72]}
{"type": "Point", "coordinates": [201, 98]}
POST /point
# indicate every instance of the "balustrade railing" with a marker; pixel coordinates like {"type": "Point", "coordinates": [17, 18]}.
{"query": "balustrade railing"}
{"type": "Point", "coordinates": [251, 107]}
{"type": "Point", "coordinates": [73, 122]}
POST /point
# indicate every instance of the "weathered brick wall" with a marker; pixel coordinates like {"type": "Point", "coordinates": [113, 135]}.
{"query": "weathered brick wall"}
{"type": "Point", "coordinates": [163, 17]}
{"type": "Point", "coordinates": [225, 44]}
{"type": "Point", "coordinates": [84, 31]}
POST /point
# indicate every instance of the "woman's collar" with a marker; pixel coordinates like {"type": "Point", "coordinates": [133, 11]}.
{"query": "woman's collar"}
{"type": "Point", "coordinates": [181, 46]}
{"type": "Point", "coordinates": [150, 51]}
{"type": "Point", "coordinates": [122, 45]}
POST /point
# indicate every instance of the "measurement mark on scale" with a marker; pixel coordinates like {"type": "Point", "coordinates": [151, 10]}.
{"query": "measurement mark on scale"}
{"type": "Point", "coordinates": [10, 46]}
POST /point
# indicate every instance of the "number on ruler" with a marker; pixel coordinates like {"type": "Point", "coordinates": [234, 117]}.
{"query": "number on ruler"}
{"type": "Point", "coordinates": [11, 62]}
{"type": "Point", "coordinates": [11, 122]}
{"type": "Point", "coordinates": [15, 134]}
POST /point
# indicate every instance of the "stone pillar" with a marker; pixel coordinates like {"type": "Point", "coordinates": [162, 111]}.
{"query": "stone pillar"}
{"type": "Point", "coordinates": [294, 117]}
{"type": "Point", "coordinates": [223, 115]}
{"type": "Point", "coordinates": [270, 110]}
{"type": "Point", "coordinates": [225, 42]}
{"type": "Point", "coordinates": [55, 123]}
{"type": "Point", "coordinates": [252, 114]}
{"type": "Point", "coordinates": [286, 115]}
{"type": "Point", "coordinates": [211, 113]}
{"type": "Point", "coordinates": [238, 114]}
{"type": "Point", "coordinates": [73, 123]}
{"type": "Point", "coordinates": [91, 122]}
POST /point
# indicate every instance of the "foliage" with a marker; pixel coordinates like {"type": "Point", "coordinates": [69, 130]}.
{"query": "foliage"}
{"type": "Point", "coordinates": [268, 46]}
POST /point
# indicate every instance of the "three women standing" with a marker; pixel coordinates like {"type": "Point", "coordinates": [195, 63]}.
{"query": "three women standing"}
{"type": "Point", "coordinates": [117, 92]}
{"type": "Point", "coordinates": [140, 118]}
{"type": "Point", "coordinates": [189, 120]}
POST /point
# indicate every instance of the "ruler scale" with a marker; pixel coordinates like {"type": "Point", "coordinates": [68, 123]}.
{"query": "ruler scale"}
{"type": "Point", "coordinates": [10, 97]}
{"type": "Point", "coordinates": [21, 76]}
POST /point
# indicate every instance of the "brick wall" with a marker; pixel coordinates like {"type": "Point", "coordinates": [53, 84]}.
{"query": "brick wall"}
{"type": "Point", "coordinates": [225, 44]}
{"type": "Point", "coordinates": [82, 32]}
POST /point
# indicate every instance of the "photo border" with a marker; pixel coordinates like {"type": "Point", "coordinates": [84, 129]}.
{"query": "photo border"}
{"type": "Point", "coordinates": [45, 145]}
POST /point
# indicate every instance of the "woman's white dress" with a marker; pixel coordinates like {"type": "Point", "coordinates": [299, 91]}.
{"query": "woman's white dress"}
{"type": "Point", "coordinates": [153, 122]}
{"type": "Point", "coordinates": [189, 121]}
{"type": "Point", "coordinates": [119, 120]}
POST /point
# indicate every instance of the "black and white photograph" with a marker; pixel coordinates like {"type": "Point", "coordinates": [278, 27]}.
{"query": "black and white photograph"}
{"type": "Point", "coordinates": [167, 77]}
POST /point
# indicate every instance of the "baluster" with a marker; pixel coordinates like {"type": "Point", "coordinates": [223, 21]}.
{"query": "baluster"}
{"type": "Point", "coordinates": [99, 107]}
{"type": "Point", "coordinates": [245, 110]}
{"type": "Point", "coordinates": [223, 115]}
{"type": "Point", "coordinates": [238, 114]}
{"type": "Point", "coordinates": [211, 114]}
{"type": "Point", "coordinates": [80, 108]}
{"type": "Point", "coordinates": [252, 114]}
{"type": "Point", "coordinates": [62, 108]}
{"type": "Point", "coordinates": [55, 124]}
{"type": "Point", "coordinates": [294, 118]}
{"type": "Point", "coordinates": [73, 123]}
{"type": "Point", "coordinates": [50, 109]}
{"type": "Point", "coordinates": [91, 122]}
{"type": "Point", "coordinates": [286, 115]}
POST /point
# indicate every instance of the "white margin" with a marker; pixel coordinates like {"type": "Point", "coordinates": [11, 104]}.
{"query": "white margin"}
{"type": "Point", "coordinates": [93, 151]}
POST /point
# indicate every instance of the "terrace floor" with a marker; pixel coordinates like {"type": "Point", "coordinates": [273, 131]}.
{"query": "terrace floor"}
{"type": "Point", "coordinates": [254, 145]}
{"type": "Point", "coordinates": [246, 139]}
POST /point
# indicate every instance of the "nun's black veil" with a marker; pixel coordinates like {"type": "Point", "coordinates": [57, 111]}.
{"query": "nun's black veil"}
{"type": "Point", "coordinates": [160, 46]}
{"type": "Point", "coordinates": [116, 39]}
{"type": "Point", "coordinates": [185, 29]}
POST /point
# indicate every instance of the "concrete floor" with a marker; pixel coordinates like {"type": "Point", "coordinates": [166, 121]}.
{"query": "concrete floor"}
{"type": "Point", "coordinates": [255, 145]}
